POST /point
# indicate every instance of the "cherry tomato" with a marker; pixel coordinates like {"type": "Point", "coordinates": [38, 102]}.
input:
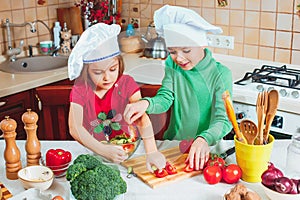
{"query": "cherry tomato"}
{"type": "Point", "coordinates": [215, 160]}
{"type": "Point", "coordinates": [185, 145]}
{"type": "Point", "coordinates": [188, 168]}
{"type": "Point", "coordinates": [161, 174]}
{"type": "Point", "coordinates": [212, 174]}
{"type": "Point", "coordinates": [170, 169]}
{"type": "Point", "coordinates": [128, 148]}
{"type": "Point", "coordinates": [57, 198]}
{"type": "Point", "coordinates": [231, 173]}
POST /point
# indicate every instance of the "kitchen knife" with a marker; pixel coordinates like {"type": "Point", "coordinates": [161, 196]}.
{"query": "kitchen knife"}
{"type": "Point", "coordinates": [227, 153]}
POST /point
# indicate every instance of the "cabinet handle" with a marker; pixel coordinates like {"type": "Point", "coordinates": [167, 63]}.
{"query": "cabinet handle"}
{"type": "Point", "coordinates": [39, 102]}
{"type": "Point", "coordinates": [2, 103]}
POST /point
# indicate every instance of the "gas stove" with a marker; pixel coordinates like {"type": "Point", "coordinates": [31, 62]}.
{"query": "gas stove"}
{"type": "Point", "coordinates": [281, 78]}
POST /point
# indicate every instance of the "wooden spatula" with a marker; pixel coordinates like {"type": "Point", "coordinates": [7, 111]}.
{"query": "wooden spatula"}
{"type": "Point", "coordinates": [249, 130]}
{"type": "Point", "coordinates": [231, 115]}
{"type": "Point", "coordinates": [273, 98]}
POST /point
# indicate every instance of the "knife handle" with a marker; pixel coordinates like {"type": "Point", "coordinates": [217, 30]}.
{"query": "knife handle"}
{"type": "Point", "coordinates": [227, 153]}
{"type": "Point", "coordinates": [231, 115]}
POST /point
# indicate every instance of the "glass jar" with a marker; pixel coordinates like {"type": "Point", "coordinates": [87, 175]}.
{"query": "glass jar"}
{"type": "Point", "coordinates": [293, 157]}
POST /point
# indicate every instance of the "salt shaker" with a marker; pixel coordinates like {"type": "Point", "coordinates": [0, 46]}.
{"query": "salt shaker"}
{"type": "Point", "coordinates": [11, 152]}
{"type": "Point", "coordinates": [32, 145]}
{"type": "Point", "coordinates": [293, 157]}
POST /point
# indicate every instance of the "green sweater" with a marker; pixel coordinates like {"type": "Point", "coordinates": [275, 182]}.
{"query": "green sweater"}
{"type": "Point", "coordinates": [195, 98]}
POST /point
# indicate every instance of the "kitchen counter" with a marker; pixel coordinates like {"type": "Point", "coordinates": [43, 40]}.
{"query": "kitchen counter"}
{"type": "Point", "coordinates": [196, 187]}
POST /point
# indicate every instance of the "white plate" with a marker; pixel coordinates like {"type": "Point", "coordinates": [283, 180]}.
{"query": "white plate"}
{"type": "Point", "coordinates": [32, 194]}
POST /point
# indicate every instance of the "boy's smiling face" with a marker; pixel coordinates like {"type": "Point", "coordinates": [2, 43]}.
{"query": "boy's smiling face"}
{"type": "Point", "coordinates": [186, 57]}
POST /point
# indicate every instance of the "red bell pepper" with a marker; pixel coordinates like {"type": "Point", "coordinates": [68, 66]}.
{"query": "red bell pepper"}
{"type": "Point", "coordinates": [57, 159]}
{"type": "Point", "coordinates": [170, 169]}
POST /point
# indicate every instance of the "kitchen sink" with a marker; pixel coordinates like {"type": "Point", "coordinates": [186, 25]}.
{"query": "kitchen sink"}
{"type": "Point", "coordinates": [34, 64]}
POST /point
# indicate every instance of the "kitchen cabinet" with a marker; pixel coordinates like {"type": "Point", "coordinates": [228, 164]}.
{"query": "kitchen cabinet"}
{"type": "Point", "coordinates": [52, 103]}
{"type": "Point", "coordinates": [14, 106]}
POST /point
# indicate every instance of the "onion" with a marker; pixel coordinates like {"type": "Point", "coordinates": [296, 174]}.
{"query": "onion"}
{"type": "Point", "coordinates": [283, 185]}
{"type": "Point", "coordinates": [268, 177]}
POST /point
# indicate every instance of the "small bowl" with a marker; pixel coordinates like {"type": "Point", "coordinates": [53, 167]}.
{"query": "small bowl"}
{"type": "Point", "coordinates": [59, 171]}
{"type": "Point", "coordinates": [36, 176]}
{"type": "Point", "coordinates": [280, 196]}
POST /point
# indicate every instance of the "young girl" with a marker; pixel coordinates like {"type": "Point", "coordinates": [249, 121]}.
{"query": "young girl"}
{"type": "Point", "coordinates": [100, 94]}
{"type": "Point", "coordinates": [193, 84]}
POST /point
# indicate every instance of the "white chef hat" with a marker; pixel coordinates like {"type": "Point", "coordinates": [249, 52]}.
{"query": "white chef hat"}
{"type": "Point", "coordinates": [97, 43]}
{"type": "Point", "coordinates": [182, 27]}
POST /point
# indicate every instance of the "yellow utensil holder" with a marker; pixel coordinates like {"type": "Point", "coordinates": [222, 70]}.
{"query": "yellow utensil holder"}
{"type": "Point", "coordinates": [253, 159]}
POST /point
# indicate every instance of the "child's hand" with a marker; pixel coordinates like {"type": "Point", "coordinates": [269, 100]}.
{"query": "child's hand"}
{"type": "Point", "coordinates": [135, 110]}
{"type": "Point", "coordinates": [157, 159]}
{"type": "Point", "coordinates": [199, 154]}
{"type": "Point", "coordinates": [115, 153]}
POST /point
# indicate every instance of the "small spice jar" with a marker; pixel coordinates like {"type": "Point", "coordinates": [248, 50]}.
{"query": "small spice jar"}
{"type": "Point", "coordinates": [293, 157]}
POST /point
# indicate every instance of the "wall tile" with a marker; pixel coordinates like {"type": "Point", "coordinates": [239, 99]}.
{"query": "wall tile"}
{"type": "Point", "coordinates": [283, 39]}
{"type": "Point", "coordinates": [237, 18]}
{"type": "Point", "coordinates": [208, 4]}
{"type": "Point", "coordinates": [295, 57]}
{"type": "Point", "coordinates": [30, 14]}
{"type": "Point", "coordinates": [251, 36]}
{"type": "Point", "coordinates": [268, 20]}
{"type": "Point", "coordinates": [222, 17]}
{"type": "Point", "coordinates": [282, 55]}
{"type": "Point", "coordinates": [251, 51]}
{"type": "Point", "coordinates": [42, 13]}
{"type": "Point", "coordinates": [252, 5]}
{"type": "Point", "coordinates": [131, 11]}
{"type": "Point", "coordinates": [209, 15]}
{"type": "Point", "coordinates": [267, 38]}
{"type": "Point", "coordinates": [268, 5]}
{"type": "Point", "coordinates": [238, 50]}
{"type": "Point", "coordinates": [156, 1]}
{"type": "Point", "coordinates": [284, 22]}
{"type": "Point", "coordinates": [182, 3]}
{"type": "Point", "coordinates": [17, 4]}
{"type": "Point", "coordinates": [5, 5]}
{"type": "Point", "coordinates": [237, 4]}
{"type": "Point", "coordinates": [170, 2]}
{"type": "Point", "coordinates": [285, 6]}
{"type": "Point", "coordinates": [252, 19]}
{"type": "Point", "coordinates": [296, 24]}
{"type": "Point", "coordinates": [195, 3]}
{"type": "Point", "coordinates": [266, 53]}
{"type": "Point", "coordinates": [296, 42]}
{"type": "Point", "coordinates": [30, 3]}
{"type": "Point", "coordinates": [237, 33]}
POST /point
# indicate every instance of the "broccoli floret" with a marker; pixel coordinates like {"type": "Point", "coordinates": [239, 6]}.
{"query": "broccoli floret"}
{"type": "Point", "coordinates": [89, 161]}
{"type": "Point", "coordinates": [100, 182]}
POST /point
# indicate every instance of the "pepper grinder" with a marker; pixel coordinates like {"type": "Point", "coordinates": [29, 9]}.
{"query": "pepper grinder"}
{"type": "Point", "coordinates": [11, 152]}
{"type": "Point", "coordinates": [32, 145]}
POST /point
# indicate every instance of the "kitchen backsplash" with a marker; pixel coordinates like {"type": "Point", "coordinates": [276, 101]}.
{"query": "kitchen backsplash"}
{"type": "Point", "coordinates": [262, 29]}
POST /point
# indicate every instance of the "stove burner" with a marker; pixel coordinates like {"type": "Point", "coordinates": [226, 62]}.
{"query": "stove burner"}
{"type": "Point", "coordinates": [271, 75]}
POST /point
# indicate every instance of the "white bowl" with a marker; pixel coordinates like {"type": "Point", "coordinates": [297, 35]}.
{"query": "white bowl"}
{"type": "Point", "coordinates": [38, 176]}
{"type": "Point", "coordinates": [280, 196]}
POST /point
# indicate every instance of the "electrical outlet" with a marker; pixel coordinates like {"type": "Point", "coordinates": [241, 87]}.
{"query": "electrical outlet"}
{"type": "Point", "coordinates": [135, 22]}
{"type": "Point", "coordinates": [220, 41]}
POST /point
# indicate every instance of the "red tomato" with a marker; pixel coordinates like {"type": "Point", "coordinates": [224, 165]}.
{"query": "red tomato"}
{"type": "Point", "coordinates": [231, 173]}
{"type": "Point", "coordinates": [215, 160]}
{"type": "Point", "coordinates": [185, 145]}
{"type": "Point", "coordinates": [188, 168]}
{"type": "Point", "coordinates": [170, 169]}
{"type": "Point", "coordinates": [161, 174]}
{"type": "Point", "coordinates": [128, 148]}
{"type": "Point", "coordinates": [212, 174]}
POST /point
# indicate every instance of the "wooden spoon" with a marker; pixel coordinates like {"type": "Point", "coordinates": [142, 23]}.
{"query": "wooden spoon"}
{"type": "Point", "coordinates": [273, 98]}
{"type": "Point", "coordinates": [249, 130]}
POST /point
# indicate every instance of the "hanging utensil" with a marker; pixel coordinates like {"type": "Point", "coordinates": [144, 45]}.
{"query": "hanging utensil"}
{"type": "Point", "coordinates": [249, 130]}
{"type": "Point", "coordinates": [273, 98]}
{"type": "Point", "coordinates": [231, 115]}
{"type": "Point", "coordinates": [261, 110]}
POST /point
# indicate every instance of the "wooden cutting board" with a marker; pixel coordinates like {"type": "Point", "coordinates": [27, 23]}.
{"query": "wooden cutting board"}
{"type": "Point", "coordinates": [173, 155]}
{"type": "Point", "coordinates": [5, 192]}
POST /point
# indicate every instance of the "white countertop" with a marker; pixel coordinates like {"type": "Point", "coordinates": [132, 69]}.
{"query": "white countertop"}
{"type": "Point", "coordinates": [195, 187]}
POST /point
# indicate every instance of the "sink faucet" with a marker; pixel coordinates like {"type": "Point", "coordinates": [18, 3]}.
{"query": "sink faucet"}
{"type": "Point", "coordinates": [12, 52]}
